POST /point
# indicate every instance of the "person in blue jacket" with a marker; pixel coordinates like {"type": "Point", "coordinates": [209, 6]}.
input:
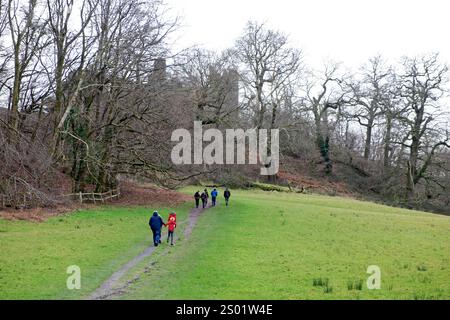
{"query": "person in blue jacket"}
{"type": "Point", "coordinates": [214, 195]}
{"type": "Point", "coordinates": [156, 223]}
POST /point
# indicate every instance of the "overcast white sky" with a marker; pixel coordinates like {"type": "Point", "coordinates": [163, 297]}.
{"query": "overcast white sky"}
{"type": "Point", "coordinates": [349, 31]}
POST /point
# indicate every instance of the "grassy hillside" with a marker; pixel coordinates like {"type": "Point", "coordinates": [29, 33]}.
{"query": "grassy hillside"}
{"type": "Point", "coordinates": [266, 245]}
{"type": "Point", "coordinates": [281, 246]}
{"type": "Point", "coordinates": [34, 256]}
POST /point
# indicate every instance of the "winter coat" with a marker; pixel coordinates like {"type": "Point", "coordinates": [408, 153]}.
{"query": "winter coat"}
{"type": "Point", "coordinates": [156, 222]}
{"type": "Point", "coordinates": [171, 224]}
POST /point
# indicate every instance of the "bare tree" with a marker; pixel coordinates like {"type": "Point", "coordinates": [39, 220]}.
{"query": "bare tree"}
{"type": "Point", "coordinates": [4, 54]}
{"type": "Point", "coordinates": [67, 60]}
{"type": "Point", "coordinates": [367, 96]}
{"type": "Point", "coordinates": [392, 110]}
{"type": "Point", "coordinates": [27, 28]}
{"type": "Point", "coordinates": [3, 17]}
{"type": "Point", "coordinates": [215, 84]}
{"type": "Point", "coordinates": [122, 101]}
{"type": "Point", "coordinates": [324, 94]}
{"type": "Point", "coordinates": [422, 87]}
{"type": "Point", "coordinates": [267, 65]}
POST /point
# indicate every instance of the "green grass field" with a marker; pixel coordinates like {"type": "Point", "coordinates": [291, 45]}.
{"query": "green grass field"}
{"type": "Point", "coordinates": [34, 256]}
{"type": "Point", "coordinates": [275, 245]}
{"type": "Point", "coordinates": [266, 245]}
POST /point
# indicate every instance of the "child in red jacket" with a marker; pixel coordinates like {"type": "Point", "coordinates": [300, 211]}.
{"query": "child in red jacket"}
{"type": "Point", "coordinates": [171, 225]}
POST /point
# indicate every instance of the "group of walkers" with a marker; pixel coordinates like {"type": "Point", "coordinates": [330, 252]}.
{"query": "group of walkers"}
{"type": "Point", "coordinates": [204, 197]}
{"type": "Point", "coordinates": [156, 223]}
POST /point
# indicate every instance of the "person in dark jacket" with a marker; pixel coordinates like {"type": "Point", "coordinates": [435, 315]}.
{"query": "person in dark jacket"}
{"type": "Point", "coordinates": [204, 199]}
{"type": "Point", "coordinates": [207, 195]}
{"type": "Point", "coordinates": [197, 199]}
{"type": "Point", "coordinates": [156, 223]}
{"type": "Point", "coordinates": [227, 195]}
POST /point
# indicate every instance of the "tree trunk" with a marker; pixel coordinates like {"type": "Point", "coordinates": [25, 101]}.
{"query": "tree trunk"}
{"type": "Point", "coordinates": [14, 112]}
{"type": "Point", "coordinates": [410, 187]}
{"type": "Point", "coordinates": [59, 97]}
{"type": "Point", "coordinates": [261, 105]}
{"type": "Point", "coordinates": [368, 143]}
{"type": "Point", "coordinates": [272, 178]}
{"type": "Point", "coordinates": [322, 139]}
{"type": "Point", "coordinates": [387, 142]}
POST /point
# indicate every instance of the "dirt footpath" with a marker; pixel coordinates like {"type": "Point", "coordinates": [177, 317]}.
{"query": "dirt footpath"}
{"type": "Point", "coordinates": [110, 289]}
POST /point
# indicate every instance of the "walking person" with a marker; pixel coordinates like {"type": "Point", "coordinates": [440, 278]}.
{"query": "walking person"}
{"type": "Point", "coordinates": [160, 229]}
{"type": "Point", "coordinates": [197, 199]}
{"type": "Point", "coordinates": [214, 195]}
{"type": "Point", "coordinates": [207, 195]}
{"type": "Point", "coordinates": [227, 195]}
{"type": "Point", "coordinates": [156, 223]}
{"type": "Point", "coordinates": [204, 199]}
{"type": "Point", "coordinates": [171, 225]}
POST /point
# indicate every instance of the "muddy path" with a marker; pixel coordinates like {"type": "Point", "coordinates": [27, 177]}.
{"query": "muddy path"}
{"type": "Point", "coordinates": [110, 287]}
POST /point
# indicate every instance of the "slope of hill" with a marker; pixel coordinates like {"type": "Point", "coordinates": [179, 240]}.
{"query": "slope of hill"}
{"type": "Point", "coordinates": [293, 246]}
{"type": "Point", "coordinates": [265, 245]}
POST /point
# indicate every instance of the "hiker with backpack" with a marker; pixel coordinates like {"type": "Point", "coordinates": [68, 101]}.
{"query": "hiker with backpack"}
{"type": "Point", "coordinates": [214, 195]}
{"type": "Point", "coordinates": [197, 199]}
{"type": "Point", "coordinates": [204, 199]}
{"type": "Point", "coordinates": [156, 223]}
{"type": "Point", "coordinates": [227, 195]}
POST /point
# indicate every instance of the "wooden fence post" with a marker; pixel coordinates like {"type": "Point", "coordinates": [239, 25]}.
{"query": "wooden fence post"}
{"type": "Point", "coordinates": [81, 198]}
